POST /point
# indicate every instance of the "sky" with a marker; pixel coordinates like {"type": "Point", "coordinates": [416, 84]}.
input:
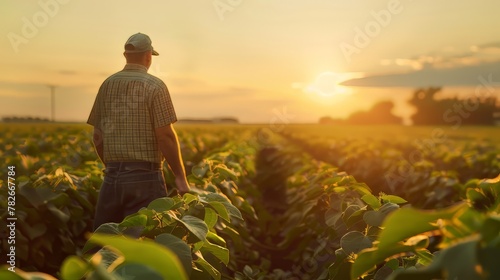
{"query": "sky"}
{"type": "Point", "coordinates": [261, 61]}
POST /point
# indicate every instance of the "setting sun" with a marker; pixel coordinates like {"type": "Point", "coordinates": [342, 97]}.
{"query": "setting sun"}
{"type": "Point", "coordinates": [327, 84]}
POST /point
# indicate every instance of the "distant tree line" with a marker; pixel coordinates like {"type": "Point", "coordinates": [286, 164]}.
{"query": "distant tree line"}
{"type": "Point", "coordinates": [380, 113]}
{"type": "Point", "coordinates": [452, 111]}
{"type": "Point", "coordinates": [430, 111]}
{"type": "Point", "coordinates": [24, 119]}
{"type": "Point", "coordinates": [228, 120]}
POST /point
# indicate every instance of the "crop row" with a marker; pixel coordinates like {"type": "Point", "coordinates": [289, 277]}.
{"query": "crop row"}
{"type": "Point", "coordinates": [427, 172]}
{"type": "Point", "coordinates": [260, 210]}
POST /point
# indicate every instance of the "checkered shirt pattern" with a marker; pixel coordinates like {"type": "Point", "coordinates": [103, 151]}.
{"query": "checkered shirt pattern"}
{"type": "Point", "coordinates": [129, 106]}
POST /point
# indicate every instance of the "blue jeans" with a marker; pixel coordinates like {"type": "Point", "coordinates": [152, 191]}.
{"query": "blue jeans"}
{"type": "Point", "coordinates": [125, 192]}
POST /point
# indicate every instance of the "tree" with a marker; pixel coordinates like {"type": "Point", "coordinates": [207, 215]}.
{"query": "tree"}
{"type": "Point", "coordinates": [451, 111]}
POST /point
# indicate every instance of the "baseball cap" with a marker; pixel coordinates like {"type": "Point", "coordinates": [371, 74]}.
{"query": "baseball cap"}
{"type": "Point", "coordinates": [138, 43]}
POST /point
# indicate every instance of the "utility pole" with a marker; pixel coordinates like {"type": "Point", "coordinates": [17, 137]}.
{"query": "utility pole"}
{"type": "Point", "coordinates": [52, 102]}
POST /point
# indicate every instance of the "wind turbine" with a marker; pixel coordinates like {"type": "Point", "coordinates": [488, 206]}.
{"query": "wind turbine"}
{"type": "Point", "coordinates": [52, 102]}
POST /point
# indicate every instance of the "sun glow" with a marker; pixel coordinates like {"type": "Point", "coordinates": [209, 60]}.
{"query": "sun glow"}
{"type": "Point", "coordinates": [327, 84]}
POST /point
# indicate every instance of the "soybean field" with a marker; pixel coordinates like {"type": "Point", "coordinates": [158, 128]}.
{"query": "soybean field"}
{"type": "Point", "coordinates": [268, 202]}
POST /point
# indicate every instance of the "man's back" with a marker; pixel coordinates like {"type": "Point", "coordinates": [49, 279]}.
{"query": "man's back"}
{"type": "Point", "coordinates": [132, 118]}
{"type": "Point", "coordinates": [130, 105]}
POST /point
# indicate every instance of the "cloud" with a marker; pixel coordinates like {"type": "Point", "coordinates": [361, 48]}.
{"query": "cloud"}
{"type": "Point", "coordinates": [492, 45]}
{"type": "Point", "coordinates": [458, 76]}
{"type": "Point", "coordinates": [450, 58]}
{"type": "Point", "coordinates": [447, 67]}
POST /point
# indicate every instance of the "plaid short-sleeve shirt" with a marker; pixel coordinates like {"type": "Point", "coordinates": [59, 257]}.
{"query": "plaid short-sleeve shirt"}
{"type": "Point", "coordinates": [129, 106]}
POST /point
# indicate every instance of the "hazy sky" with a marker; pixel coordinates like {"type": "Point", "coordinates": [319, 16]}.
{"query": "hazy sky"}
{"type": "Point", "coordinates": [257, 60]}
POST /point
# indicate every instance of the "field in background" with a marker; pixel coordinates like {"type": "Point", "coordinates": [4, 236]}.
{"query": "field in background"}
{"type": "Point", "coordinates": [273, 201]}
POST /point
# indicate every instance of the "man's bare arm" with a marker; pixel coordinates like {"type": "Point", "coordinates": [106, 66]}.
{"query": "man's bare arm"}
{"type": "Point", "coordinates": [169, 146]}
{"type": "Point", "coordinates": [98, 143]}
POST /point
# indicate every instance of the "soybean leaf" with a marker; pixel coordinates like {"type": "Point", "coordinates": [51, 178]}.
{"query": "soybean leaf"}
{"type": "Point", "coordinates": [207, 267]}
{"type": "Point", "coordinates": [145, 252]}
{"type": "Point", "coordinates": [372, 201]}
{"type": "Point", "coordinates": [219, 252]}
{"type": "Point", "coordinates": [221, 210]}
{"type": "Point", "coordinates": [194, 225]}
{"type": "Point", "coordinates": [73, 268]}
{"type": "Point", "coordinates": [407, 222]}
{"type": "Point", "coordinates": [162, 204]}
{"type": "Point", "coordinates": [393, 199]}
{"type": "Point", "coordinates": [210, 217]}
{"type": "Point", "coordinates": [179, 247]}
{"type": "Point", "coordinates": [354, 241]}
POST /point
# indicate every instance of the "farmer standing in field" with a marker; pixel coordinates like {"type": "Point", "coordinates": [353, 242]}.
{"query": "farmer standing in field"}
{"type": "Point", "coordinates": [132, 118]}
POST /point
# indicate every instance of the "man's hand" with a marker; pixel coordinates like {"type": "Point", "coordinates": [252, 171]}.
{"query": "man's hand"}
{"type": "Point", "coordinates": [182, 185]}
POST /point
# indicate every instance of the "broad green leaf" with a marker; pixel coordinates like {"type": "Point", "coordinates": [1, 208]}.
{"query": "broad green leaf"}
{"type": "Point", "coordinates": [233, 211]}
{"type": "Point", "coordinates": [200, 170]}
{"type": "Point", "coordinates": [162, 204]}
{"type": "Point", "coordinates": [194, 225]}
{"type": "Point", "coordinates": [211, 217]}
{"type": "Point", "coordinates": [219, 252]}
{"type": "Point", "coordinates": [354, 241]}
{"type": "Point", "coordinates": [216, 239]}
{"type": "Point", "coordinates": [145, 252]}
{"type": "Point", "coordinates": [9, 275]}
{"type": "Point", "coordinates": [179, 247]}
{"type": "Point", "coordinates": [221, 210]}
{"type": "Point", "coordinates": [369, 258]}
{"type": "Point", "coordinates": [134, 220]}
{"type": "Point", "coordinates": [197, 246]}
{"type": "Point", "coordinates": [356, 216]}
{"type": "Point", "coordinates": [393, 199]}
{"type": "Point", "coordinates": [377, 217]}
{"type": "Point", "coordinates": [340, 269]}
{"type": "Point", "coordinates": [332, 216]}
{"type": "Point", "coordinates": [208, 197]}
{"type": "Point", "coordinates": [372, 201]}
{"type": "Point", "coordinates": [207, 267]}
{"type": "Point", "coordinates": [352, 214]}
{"type": "Point", "coordinates": [361, 188]}
{"type": "Point", "coordinates": [490, 230]}
{"type": "Point", "coordinates": [108, 228]}
{"type": "Point", "coordinates": [407, 222]}
{"type": "Point", "coordinates": [5, 274]}
{"type": "Point", "coordinates": [226, 172]}
{"type": "Point", "coordinates": [188, 198]}
{"type": "Point", "coordinates": [73, 268]}
{"type": "Point", "coordinates": [455, 262]}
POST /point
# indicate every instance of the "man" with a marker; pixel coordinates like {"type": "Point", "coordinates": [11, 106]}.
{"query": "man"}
{"type": "Point", "coordinates": [132, 118]}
